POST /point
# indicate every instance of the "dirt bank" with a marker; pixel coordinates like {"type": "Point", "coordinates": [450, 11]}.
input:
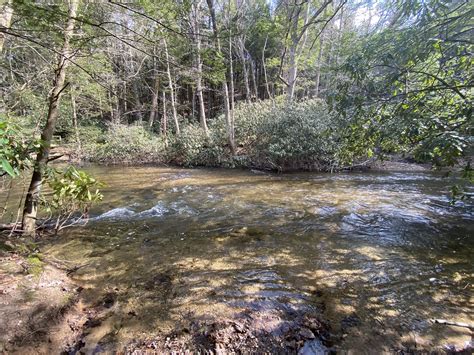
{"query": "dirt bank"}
{"type": "Point", "coordinates": [39, 309]}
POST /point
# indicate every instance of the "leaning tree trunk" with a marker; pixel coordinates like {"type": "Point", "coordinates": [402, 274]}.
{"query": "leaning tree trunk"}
{"type": "Point", "coordinates": [31, 202]}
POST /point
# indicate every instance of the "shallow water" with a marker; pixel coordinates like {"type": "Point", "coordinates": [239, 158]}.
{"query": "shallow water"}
{"type": "Point", "coordinates": [377, 255]}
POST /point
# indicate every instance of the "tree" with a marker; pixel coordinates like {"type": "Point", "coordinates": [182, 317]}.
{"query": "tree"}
{"type": "Point", "coordinates": [195, 27]}
{"type": "Point", "coordinates": [410, 84]}
{"type": "Point", "coordinates": [30, 210]}
{"type": "Point", "coordinates": [300, 17]}
{"type": "Point", "coordinates": [6, 13]}
{"type": "Point", "coordinates": [225, 90]}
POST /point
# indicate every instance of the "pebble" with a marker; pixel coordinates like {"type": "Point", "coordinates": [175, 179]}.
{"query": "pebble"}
{"type": "Point", "coordinates": [306, 333]}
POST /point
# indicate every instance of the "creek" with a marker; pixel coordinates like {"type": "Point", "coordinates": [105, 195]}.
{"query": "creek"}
{"type": "Point", "coordinates": [375, 255]}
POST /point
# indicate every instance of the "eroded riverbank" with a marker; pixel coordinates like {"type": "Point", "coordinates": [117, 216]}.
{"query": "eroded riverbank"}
{"type": "Point", "coordinates": [178, 257]}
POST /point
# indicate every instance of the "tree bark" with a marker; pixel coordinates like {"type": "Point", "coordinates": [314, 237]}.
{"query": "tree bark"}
{"type": "Point", "coordinates": [267, 87]}
{"type": "Point", "coordinates": [171, 87]}
{"type": "Point", "coordinates": [254, 80]}
{"type": "Point", "coordinates": [293, 53]}
{"type": "Point", "coordinates": [74, 119]}
{"type": "Point", "coordinates": [318, 69]}
{"type": "Point", "coordinates": [225, 91]}
{"type": "Point", "coordinates": [298, 39]}
{"type": "Point", "coordinates": [232, 103]}
{"type": "Point", "coordinates": [195, 16]}
{"type": "Point", "coordinates": [241, 48]}
{"type": "Point", "coordinates": [154, 101]}
{"type": "Point", "coordinates": [6, 14]}
{"type": "Point", "coordinates": [292, 73]}
{"type": "Point", "coordinates": [164, 120]}
{"type": "Point", "coordinates": [30, 210]}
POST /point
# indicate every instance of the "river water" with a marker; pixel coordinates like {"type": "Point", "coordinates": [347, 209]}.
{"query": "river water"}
{"type": "Point", "coordinates": [377, 255]}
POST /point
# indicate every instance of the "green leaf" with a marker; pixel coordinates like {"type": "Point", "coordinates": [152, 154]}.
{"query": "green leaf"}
{"type": "Point", "coordinates": [7, 167]}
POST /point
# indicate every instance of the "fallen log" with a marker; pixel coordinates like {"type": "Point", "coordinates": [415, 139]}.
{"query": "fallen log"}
{"type": "Point", "coordinates": [455, 324]}
{"type": "Point", "coordinates": [10, 226]}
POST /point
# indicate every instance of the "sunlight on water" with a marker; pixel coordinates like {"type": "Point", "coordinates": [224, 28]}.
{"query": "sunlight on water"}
{"type": "Point", "coordinates": [377, 255]}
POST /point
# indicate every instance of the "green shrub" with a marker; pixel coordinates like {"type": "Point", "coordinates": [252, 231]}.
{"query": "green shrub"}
{"type": "Point", "coordinates": [16, 147]}
{"type": "Point", "coordinates": [193, 148]}
{"type": "Point", "coordinates": [273, 135]}
{"type": "Point", "coordinates": [247, 118]}
{"type": "Point", "coordinates": [72, 192]}
{"type": "Point", "coordinates": [299, 136]}
{"type": "Point", "coordinates": [126, 144]}
{"type": "Point", "coordinates": [268, 134]}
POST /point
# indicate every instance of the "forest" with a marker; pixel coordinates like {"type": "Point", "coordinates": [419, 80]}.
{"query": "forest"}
{"type": "Point", "coordinates": [107, 106]}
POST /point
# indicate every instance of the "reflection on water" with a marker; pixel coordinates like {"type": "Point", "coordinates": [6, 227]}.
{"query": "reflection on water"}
{"type": "Point", "coordinates": [377, 255]}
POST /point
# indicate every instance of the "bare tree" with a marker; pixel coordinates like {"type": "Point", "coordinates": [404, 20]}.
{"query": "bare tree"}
{"type": "Point", "coordinates": [194, 20]}
{"type": "Point", "coordinates": [171, 87]}
{"type": "Point", "coordinates": [298, 36]}
{"type": "Point", "coordinates": [225, 90]}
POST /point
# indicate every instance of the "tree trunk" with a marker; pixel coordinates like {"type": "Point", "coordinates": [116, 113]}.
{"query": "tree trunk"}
{"type": "Point", "coordinates": [31, 201]}
{"type": "Point", "coordinates": [6, 13]}
{"type": "Point", "coordinates": [154, 101]}
{"type": "Point", "coordinates": [318, 69]}
{"type": "Point", "coordinates": [339, 37]}
{"type": "Point", "coordinates": [164, 120]}
{"type": "Point", "coordinates": [298, 41]}
{"type": "Point", "coordinates": [241, 47]}
{"type": "Point", "coordinates": [124, 100]}
{"type": "Point", "coordinates": [118, 110]}
{"type": "Point", "coordinates": [292, 72]}
{"type": "Point", "coordinates": [293, 55]}
{"type": "Point", "coordinates": [232, 103]}
{"type": "Point", "coordinates": [199, 89]}
{"type": "Point", "coordinates": [195, 17]}
{"type": "Point", "coordinates": [265, 69]}
{"type": "Point", "coordinates": [254, 80]}
{"type": "Point", "coordinates": [193, 104]}
{"type": "Point", "coordinates": [138, 104]}
{"type": "Point", "coordinates": [225, 91]}
{"type": "Point", "coordinates": [111, 105]}
{"type": "Point", "coordinates": [74, 119]}
{"type": "Point", "coordinates": [171, 87]}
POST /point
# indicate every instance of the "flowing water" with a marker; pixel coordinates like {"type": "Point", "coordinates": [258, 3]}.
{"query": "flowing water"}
{"type": "Point", "coordinates": [377, 255]}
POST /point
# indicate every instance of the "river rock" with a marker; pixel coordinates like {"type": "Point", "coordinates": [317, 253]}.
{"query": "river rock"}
{"type": "Point", "coordinates": [313, 347]}
{"type": "Point", "coordinates": [306, 333]}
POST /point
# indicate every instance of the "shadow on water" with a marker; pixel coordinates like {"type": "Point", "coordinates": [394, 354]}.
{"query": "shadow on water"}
{"type": "Point", "coordinates": [363, 262]}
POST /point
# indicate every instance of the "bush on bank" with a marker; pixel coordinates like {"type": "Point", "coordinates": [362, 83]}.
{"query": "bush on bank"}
{"type": "Point", "coordinates": [268, 135]}
{"type": "Point", "coordinates": [119, 144]}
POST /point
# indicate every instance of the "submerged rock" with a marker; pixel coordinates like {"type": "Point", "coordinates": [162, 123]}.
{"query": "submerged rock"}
{"type": "Point", "coordinates": [313, 347]}
{"type": "Point", "coordinates": [116, 213]}
{"type": "Point", "coordinates": [248, 232]}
